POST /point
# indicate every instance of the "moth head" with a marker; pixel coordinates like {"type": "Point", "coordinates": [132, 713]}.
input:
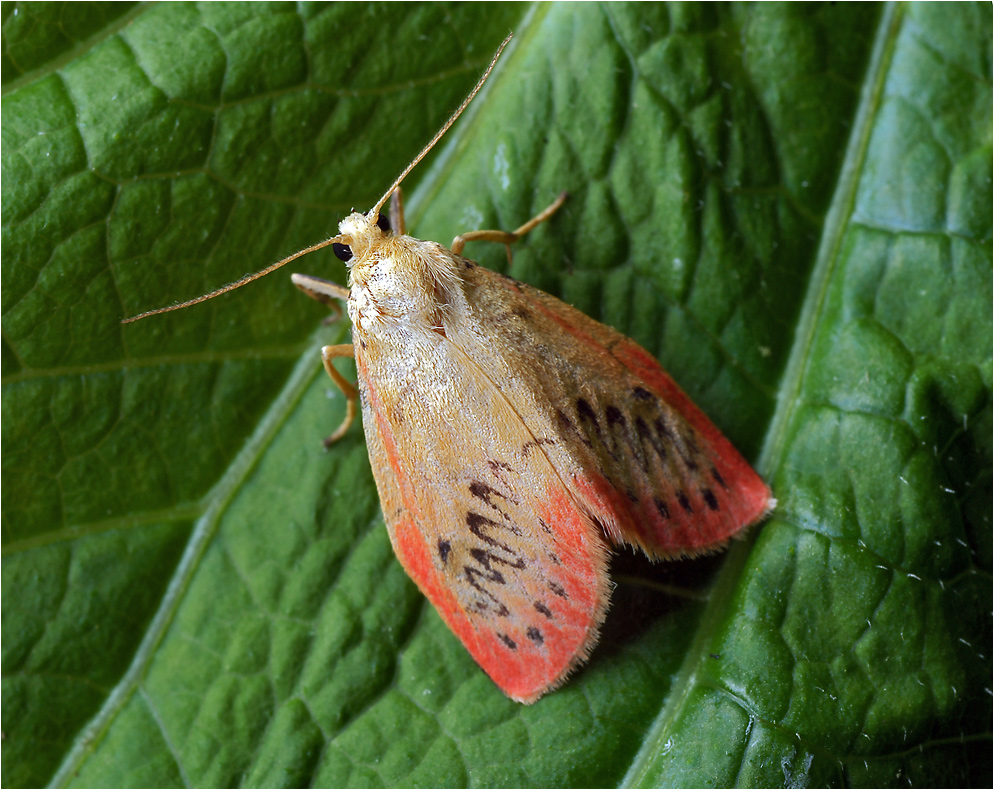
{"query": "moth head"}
{"type": "Point", "coordinates": [358, 234]}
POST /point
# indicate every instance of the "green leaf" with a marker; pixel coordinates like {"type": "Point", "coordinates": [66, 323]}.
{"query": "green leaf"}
{"type": "Point", "coordinates": [789, 205]}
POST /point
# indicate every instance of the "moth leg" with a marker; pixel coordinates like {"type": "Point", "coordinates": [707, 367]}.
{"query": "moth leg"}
{"type": "Point", "coordinates": [331, 294]}
{"type": "Point", "coordinates": [328, 353]}
{"type": "Point", "coordinates": [508, 237]}
{"type": "Point", "coordinates": [397, 212]}
{"type": "Point", "coordinates": [324, 291]}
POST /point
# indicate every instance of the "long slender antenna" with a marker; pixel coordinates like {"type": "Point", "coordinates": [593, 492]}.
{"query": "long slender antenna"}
{"type": "Point", "coordinates": [273, 267]}
{"type": "Point", "coordinates": [441, 132]}
{"type": "Point", "coordinates": [232, 286]}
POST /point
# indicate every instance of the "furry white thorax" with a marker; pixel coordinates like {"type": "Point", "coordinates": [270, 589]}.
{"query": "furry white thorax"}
{"type": "Point", "coordinates": [397, 280]}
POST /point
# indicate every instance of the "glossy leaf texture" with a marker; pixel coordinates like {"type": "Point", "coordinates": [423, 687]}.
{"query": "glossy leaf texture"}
{"type": "Point", "coordinates": [789, 205]}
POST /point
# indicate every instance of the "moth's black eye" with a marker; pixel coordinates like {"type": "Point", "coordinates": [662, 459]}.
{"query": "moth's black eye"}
{"type": "Point", "coordinates": [342, 251]}
{"type": "Point", "coordinates": [383, 222]}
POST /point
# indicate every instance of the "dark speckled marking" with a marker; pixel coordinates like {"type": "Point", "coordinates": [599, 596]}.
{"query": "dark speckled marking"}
{"type": "Point", "coordinates": [541, 608]}
{"type": "Point", "coordinates": [710, 499]}
{"type": "Point", "coordinates": [506, 640]}
{"type": "Point", "coordinates": [718, 478]}
{"type": "Point", "coordinates": [558, 590]}
{"type": "Point", "coordinates": [684, 502]}
{"type": "Point", "coordinates": [643, 394]}
{"type": "Point", "coordinates": [535, 635]}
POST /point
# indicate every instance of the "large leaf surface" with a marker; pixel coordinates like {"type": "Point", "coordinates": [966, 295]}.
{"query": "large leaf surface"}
{"type": "Point", "coordinates": [790, 206]}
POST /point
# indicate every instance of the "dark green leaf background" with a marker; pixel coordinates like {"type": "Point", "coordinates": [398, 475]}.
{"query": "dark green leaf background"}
{"type": "Point", "coordinates": [789, 205]}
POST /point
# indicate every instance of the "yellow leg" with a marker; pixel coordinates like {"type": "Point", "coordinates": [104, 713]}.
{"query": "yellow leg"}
{"type": "Point", "coordinates": [328, 353]}
{"type": "Point", "coordinates": [504, 236]}
{"type": "Point", "coordinates": [331, 294]}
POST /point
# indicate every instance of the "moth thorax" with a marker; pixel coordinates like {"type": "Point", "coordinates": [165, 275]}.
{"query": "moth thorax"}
{"type": "Point", "coordinates": [403, 280]}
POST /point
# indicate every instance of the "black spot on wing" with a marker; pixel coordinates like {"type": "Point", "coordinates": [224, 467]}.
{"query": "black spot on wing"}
{"type": "Point", "coordinates": [665, 431]}
{"type": "Point", "coordinates": [506, 640]}
{"type": "Point", "coordinates": [567, 427]}
{"type": "Point", "coordinates": [476, 577]}
{"type": "Point", "coordinates": [641, 393]}
{"type": "Point", "coordinates": [622, 445]}
{"type": "Point", "coordinates": [681, 497]}
{"type": "Point", "coordinates": [614, 416]}
{"type": "Point", "coordinates": [541, 608]}
{"type": "Point", "coordinates": [526, 448]}
{"type": "Point", "coordinates": [481, 527]}
{"type": "Point", "coordinates": [718, 478]}
{"type": "Point", "coordinates": [587, 416]}
{"type": "Point", "coordinates": [558, 590]}
{"type": "Point", "coordinates": [485, 493]}
{"type": "Point", "coordinates": [444, 549]}
{"type": "Point", "coordinates": [535, 635]}
{"type": "Point", "coordinates": [671, 436]}
{"type": "Point", "coordinates": [646, 435]}
{"type": "Point", "coordinates": [661, 507]}
{"type": "Point", "coordinates": [487, 560]}
{"type": "Point", "coordinates": [493, 605]}
{"type": "Point", "coordinates": [710, 499]}
{"type": "Point", "coordinates": [586, 413]}
{"type": "Point", "coordinates": [498, 466]}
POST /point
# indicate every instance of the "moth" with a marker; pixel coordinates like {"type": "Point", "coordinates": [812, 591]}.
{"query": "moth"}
{"type": "Point", "coordinates": [515, 441]}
